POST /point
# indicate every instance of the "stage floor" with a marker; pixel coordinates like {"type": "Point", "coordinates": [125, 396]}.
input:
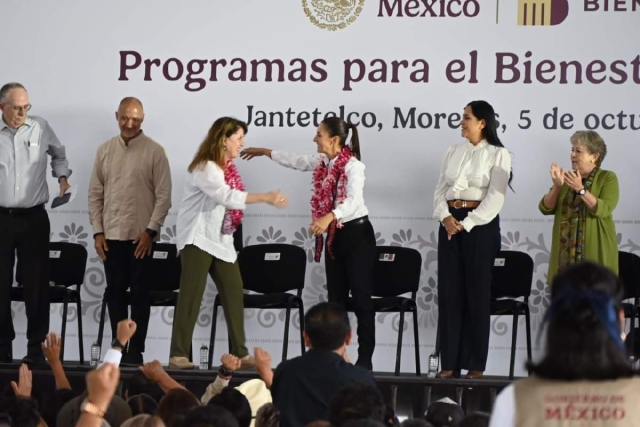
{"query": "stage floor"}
{"type": "Point", "coordinates": [408, 393]}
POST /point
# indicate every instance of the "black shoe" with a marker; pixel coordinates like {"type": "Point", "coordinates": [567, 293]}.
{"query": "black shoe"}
{"type": "Point", "coordinates": [132, 358]}
{"type": "Point", "coordinates": [34, 357]}
{"type": "Point", "coordinates": [365, 365]}
{"type": "Point", "coordinates": [5, 354]}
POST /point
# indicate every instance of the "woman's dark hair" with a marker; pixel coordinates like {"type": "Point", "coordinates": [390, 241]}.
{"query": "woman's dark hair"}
{"type": "Point", "coordinates": [583, 335]}
{"type": "Point", "coordinates": [142, 404]}
{"type": "Point", "coordinates": [175, 405]}
{"type": "Point", "coordinates": [53, 403]}
{"type": "Point", "coordinates": [482, 110]}
{"type": "Point", "coordinates": [268, 416]}
{"type": "Point", "coordinates": [235, 402]}
{"type": "Point", "coordinates": [338, 127]}
{"type": "Point", "coordinates": [356, 402]}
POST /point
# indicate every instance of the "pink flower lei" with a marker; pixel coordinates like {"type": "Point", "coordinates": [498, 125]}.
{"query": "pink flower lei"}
{"type": "Point", "coordinates": [232, 217]}
{"type": "Point", "coordinates": [329, 187]}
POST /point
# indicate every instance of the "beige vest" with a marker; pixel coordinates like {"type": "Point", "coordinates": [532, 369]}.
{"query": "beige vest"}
{"type": "Point", "coordinates": [542, 403]}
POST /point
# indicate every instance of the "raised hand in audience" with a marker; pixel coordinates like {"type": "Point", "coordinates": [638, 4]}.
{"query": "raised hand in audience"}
{"type": "Point", "coordinates": [25, 382]}
{"type": "Point", "coordinates": [230, 362]}
{"type": "Point", "coordinates": [156, 373]}
{"type": "Point", "coordinates": [101, 386]}
{"type": "Point", "coordinates": [263, 366]}
{"type": "Point", "coordinates": [126, 329]}
{"type": "Point", "coordinates": [51, 349]}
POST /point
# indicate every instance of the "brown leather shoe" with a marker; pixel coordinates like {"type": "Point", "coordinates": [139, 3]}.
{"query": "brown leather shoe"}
{"type": "Point", "coordinates": [448, 373]}
{"type": "Point", "coordinates": [474, 375]}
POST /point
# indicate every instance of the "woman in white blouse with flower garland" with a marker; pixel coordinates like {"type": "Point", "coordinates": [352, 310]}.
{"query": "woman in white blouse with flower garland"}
{"type": "Point", "coordinates": [338, 208]}
{"type": "Point", "coordinates": [470, 193]}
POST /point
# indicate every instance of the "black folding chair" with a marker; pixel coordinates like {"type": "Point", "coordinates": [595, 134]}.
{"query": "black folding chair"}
{"type": "Point", "coordinates": [512, 279]}
{"type": "Point", "coordinates": [163, 270]}
{"type": "Point", "coordinates": [67, 266]}
{"type": "Point", "coordinates": [628, 270]}
{"type": "Point", "coordinates": [397, 272]}
{"type": "Point", "coordinates": [271, 271]}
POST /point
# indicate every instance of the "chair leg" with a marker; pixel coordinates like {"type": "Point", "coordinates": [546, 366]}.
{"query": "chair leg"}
{"type": "Point", "coordinates": [64, 328]}
{"type": "Point", "coordinates": [301, 314]}
{"type": "Point", "coordinates": [632, 320]}
{"type": "Point", "coordinates": [416, 338]}
{"type": "Point", "coordinates": [80, 333]}
{"type": "Point", "coordinates": [527, 319]}
{"type": "Point", "coordinates": [514, 338]}
{"type": "Point", "coordinates": [101, 324]}
{"type": "Point", "coordinates": [285, 341]}
{"type": "Point", "coordinates": [212, 338]}
{"type": "Point", "coordinates": [399, 346]}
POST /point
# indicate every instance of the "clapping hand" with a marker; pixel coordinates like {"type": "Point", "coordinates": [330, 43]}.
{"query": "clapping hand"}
{"type": "Point", "coordinates": [557, 175]}
{"type": "Point", "coordinates": [573, 180]}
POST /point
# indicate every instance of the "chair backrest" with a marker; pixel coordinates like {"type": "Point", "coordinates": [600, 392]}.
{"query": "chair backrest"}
{"type": "Point", "coordinates": [512, 275]}
{"type": "Point", "coordinates": [273, 267]}
{"type": "Point", "coordinates": [67, 263]}
{"type": "Point", "coordinates": [397, 271]}
{"type": "Point", "coordinates": [628, 270]}
{"type": "Point", "coordinates": [163, 267]}
{"type": "Point", "coordinates": [237, 239]}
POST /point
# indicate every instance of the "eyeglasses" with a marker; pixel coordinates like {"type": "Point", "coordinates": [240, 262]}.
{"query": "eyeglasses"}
{"type": "Point", "coordinates": [18, 108]}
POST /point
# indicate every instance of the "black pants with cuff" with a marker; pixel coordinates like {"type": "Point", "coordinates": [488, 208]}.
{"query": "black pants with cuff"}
{"type": "Point", "coordinates": [465, 266]}
{"type": "Point", "coordinates": [354, 247]}
{"type": "Point", "coordinates": [124, 271]}
{"type": "Point", "coordinates": [24, 234]}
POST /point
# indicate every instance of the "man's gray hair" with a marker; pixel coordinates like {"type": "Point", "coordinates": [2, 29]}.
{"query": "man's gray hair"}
{"type": "Point", "coordinates": [4, 91]}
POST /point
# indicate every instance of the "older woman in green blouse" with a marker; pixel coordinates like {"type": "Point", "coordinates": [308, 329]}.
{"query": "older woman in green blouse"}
{"type": "Point", "coordinates": [582, 201]}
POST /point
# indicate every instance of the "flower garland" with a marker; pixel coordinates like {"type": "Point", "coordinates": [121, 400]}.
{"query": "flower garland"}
{"type": "Point", "coordinates": [232, 217]}
{"type": "Point", "coordinates": [329, 187]}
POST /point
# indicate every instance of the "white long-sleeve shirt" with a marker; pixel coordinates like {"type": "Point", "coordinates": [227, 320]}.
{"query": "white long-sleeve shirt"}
{"type": "Point", "coordinates": [352, 207]}
{"type": "Point", "coordinates": [206, 198]}
{"type": "Point", "coordinates": [469, 172]}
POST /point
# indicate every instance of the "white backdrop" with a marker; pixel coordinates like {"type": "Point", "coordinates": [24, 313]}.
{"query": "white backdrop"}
{"type": "Point", "coordinates": [77, 60]}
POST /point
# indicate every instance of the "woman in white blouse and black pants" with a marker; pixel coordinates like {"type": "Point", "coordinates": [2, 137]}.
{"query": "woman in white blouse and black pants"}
{"type": "Point", "coordinates": [338, 208]}
{"type": "Point", "coordinates": [211, 210]}
{"type": "Point", "coordinates": [470, 193]}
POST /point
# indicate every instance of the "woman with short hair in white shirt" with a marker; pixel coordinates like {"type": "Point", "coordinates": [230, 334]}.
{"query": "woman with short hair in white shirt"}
{"type": "Point", "coordinates": [470, 193]}
{"type": "Point", "coordinates": [338, 208]}
{"type": "Point", "coordinates": [211, 210]}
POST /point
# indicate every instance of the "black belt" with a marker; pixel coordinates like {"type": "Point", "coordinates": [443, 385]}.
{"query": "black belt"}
{"type": "Point", "coordinates": [357, 221]}
{"type": "Point", "coordinates": [21, 211]}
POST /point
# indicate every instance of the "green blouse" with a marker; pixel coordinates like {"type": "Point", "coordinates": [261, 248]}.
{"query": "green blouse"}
{"type": "Point", "coordinates": [601, 244]}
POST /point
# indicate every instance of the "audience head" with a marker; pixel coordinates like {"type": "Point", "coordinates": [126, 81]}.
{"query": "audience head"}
{"type": "Point", "coordinates": [326, 327]}
{"type": "Point", "coordinates": [174, 405]}
{"type": "Point", "coordinates": [363, 423]}
{"type": "Point", "coordinates": [356, 402]}
{"type": "Point", "coordinates": [584, 324]}
{"type": "Point", "coordinates": [143, 420]}
{"type": "Point", "coordinates": [268, 416]}
{"type": "Point", "coordinates": [236, 403]}
{"type": "Point", "coordinates": [444, 413]}
{"type": "Point", "coordinates": [20, 411]}
{"type": "Point", "coordinates": [14, 104]}
{"type": "Point", "coordinates": [331, 136]}
{"type": "Point", "coordinates": [53, 403]}
{"type": "Point", "coordinates": [140, 384]}
{"type": "Point", "coordinates": [142, 404]}
{"type": "Point", "coordinates": [477, 419]}
{"type": "Point", "coordinates": [223, 142]}
{"type": "Point", "coordinates": [209, 416]}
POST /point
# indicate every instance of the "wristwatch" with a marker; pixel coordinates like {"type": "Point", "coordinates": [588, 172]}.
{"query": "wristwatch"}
{"type": "Point", "coordinates": [91, 409]}
{"type": "Point", "coordinates": [118, 344]}
{"type": "Point", "coordinates": [152, 233]}
{"type": "Point", "coordinates": [224, 373]}
{"type": "Point", "coordinates": [582, 192]}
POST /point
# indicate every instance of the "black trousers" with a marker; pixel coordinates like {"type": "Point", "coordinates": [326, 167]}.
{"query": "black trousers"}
{"type": "Point", "coordinates": [124, 271]}
{"type": "Point", "coordinates": [25, 234]}
{"type": "Point", "coordinates": [465, 266]}
{"type": "Point", "coordinates": [354, 247]}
